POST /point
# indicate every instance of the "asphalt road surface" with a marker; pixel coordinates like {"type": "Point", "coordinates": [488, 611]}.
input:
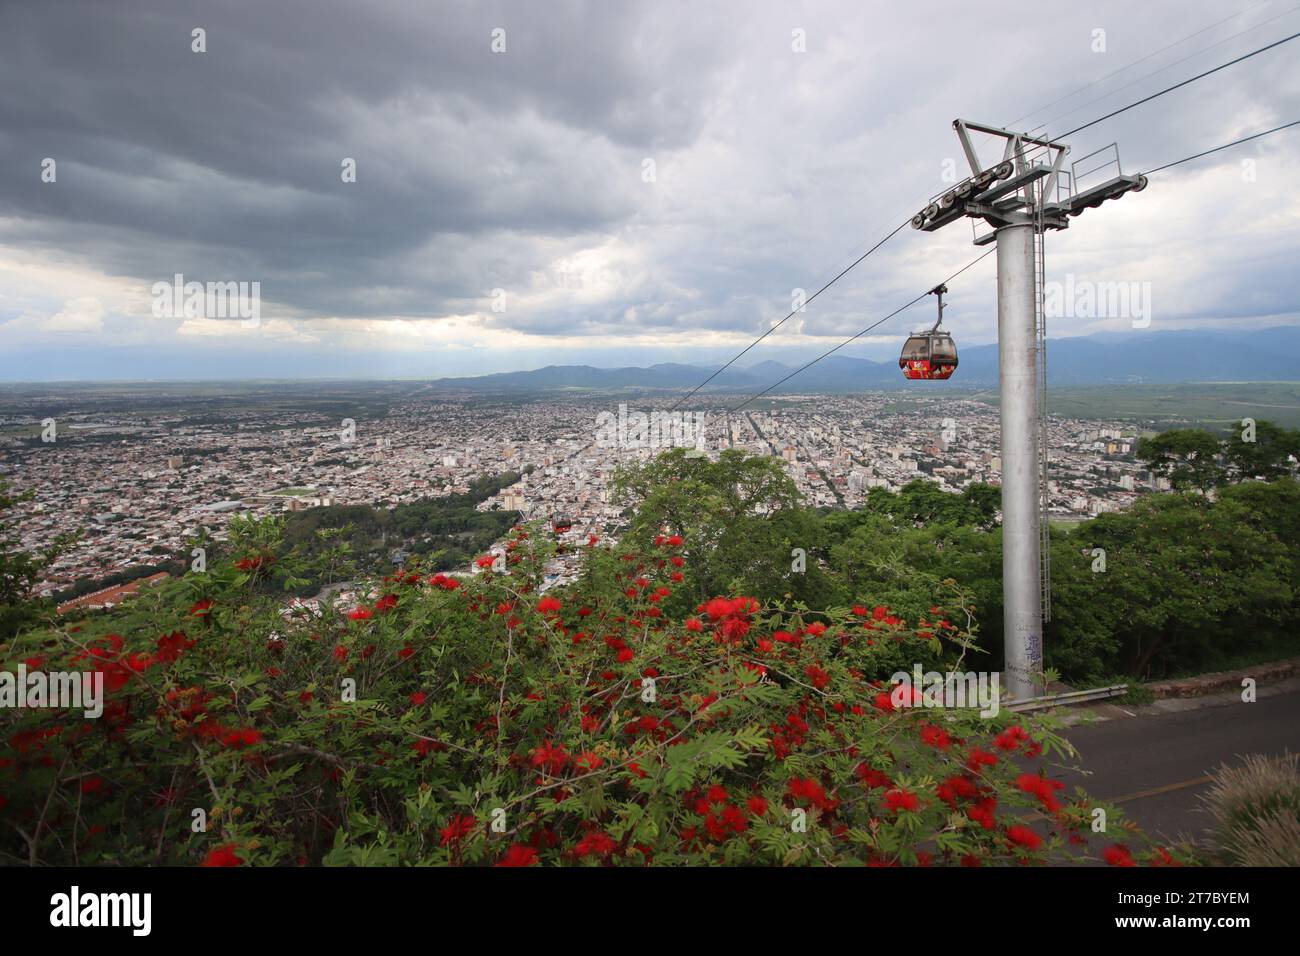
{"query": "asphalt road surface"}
{"type": "Point", "coordinates": [1155, 764]}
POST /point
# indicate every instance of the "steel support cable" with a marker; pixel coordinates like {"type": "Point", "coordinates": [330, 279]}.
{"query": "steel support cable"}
{"type": "Point", "coordinates": [1170, 89]}
{"type": "Point", "coordinates": [793, 312]}
{"type": "Point", "coordinates": [757, 395]}
{"type": "Point", "coordinates": [1235, 142]}
{"type": "Point", "coordinates": [1169, 66]}
{"type": "Point", "coordinates": [859, 335]}
{"type": "Point", "coordinates": [900, 227]}
{"type": "Point", "coordinates": [1143, 59]}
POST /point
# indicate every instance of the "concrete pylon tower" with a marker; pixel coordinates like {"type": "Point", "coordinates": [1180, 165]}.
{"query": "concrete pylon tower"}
{"type": "Point", "coordinates": [1022, 196]}
{"type": "Point", "coordinates": [1021, 513]}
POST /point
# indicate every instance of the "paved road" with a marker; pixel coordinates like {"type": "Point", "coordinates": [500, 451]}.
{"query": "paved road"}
{"type": "Point", "coordinates": [1155, 764]}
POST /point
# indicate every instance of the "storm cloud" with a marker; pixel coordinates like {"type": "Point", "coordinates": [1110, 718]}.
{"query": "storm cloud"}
{"type": "Point", "coordinates": [577, 178]}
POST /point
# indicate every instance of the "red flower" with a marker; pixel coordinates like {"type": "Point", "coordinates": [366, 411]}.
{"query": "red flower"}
{"type": "Point", "coordinates": [115, 676]}
{"type": "Point", "coordinates": [91, 785]}
{"type": "Point", "coordinates": [983, 813]}
{"type": "Point", "coordinates": [818, 676]}
{"type": "Point", "coordinates": [550, 757]}
{"type": "Point", "coordinates": [360, 614]}
{"type": "Point", "coordinates": [1162, 857]}
{"type": "Point", "coordinates": [519, 855]}
{"type": "Point", "coordinates": [597, 843]}
{"type": "Point", "coordinates": [457, 829]}
{"type": "Point", "coordinates": [1042, 788]}
{"type": "Point", "coordinates": [239, 738]}
{"type": "Point", "coordinates": [899, 801]}
{"type": "Point", "coordinates": [223, 855]}
{"type": "Point", "coordinates": [807, 789]}
{"type": "Point", "coordinates": [935, 737]}
{"type": "Point", "coordinates": [871, 777]}
{"type": "Point", "coordinates": [548, 605]}
{"type": "Point", "coordinates": [424, 747]}
{"type": "Point", "coordinates": [139, 662]}
{"type": "Point", "coordinates": [171, 645]}
{"type": "Point", "coordinates": [734, 818]}
{"type": "Point", "coordinates": [386, 603]}
{"type": "Point", "coordinates": [1011, 738]}
{"type": "Point", "coordinates": [201, 608]}
{"type": "Point", "coordinates": [1025, 837]}
{"type": "Point", "coordinates": [1118, 855]}
{"type": "Point", "coordinates": [418, 698]}
{"type": "Point", "coordinates": [718, 608]}
{"type": "Point", "coordinates": [757, 805]}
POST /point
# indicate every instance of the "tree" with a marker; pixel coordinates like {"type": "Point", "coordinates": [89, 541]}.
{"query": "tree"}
{"type": "Point", "coordinates": [21, 570]}
{"type": "Point", "coordinates": [1269, 454]}
{"type": "Point", "coordinates": [1187, 584]}
{"type": "Point", "coordinates": [1188, 457]}
{"type": "Point", "coordinates": [921, 502]}
{"type": "Point", "coordinates": [742, 519]}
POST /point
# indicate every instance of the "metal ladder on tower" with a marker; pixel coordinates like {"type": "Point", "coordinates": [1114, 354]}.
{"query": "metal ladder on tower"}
{"type": "Point", "coordinates": [1040, 326]}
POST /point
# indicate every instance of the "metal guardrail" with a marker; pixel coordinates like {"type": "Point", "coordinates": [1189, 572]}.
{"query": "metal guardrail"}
{"type": "Point", "coordinates": [1069, 697]}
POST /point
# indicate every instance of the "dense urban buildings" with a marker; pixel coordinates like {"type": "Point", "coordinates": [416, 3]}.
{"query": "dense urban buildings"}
{"type": "Point", "coordinates": [141, 475]}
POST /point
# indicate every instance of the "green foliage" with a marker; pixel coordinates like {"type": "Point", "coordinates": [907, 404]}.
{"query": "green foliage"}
{"type": "Point", "coordinates": [741, 517]}
{"type": "Point", "coordinates": [446, 532]}
{"type": "Point", "coordinates": [21, 570]}
{"type": "Point", "coordinates": [1188, 457]}
{"type": "Point", "coordinates": [1195, 460]}
{"type": "Point", "coordinates": [1188, 584]}
{"type": "Point", "coordinates": [1268, 457]}
{"type": "Point", "coordinates": [472, 721]}
{"type": "Point", "coordinates": [923, 502]}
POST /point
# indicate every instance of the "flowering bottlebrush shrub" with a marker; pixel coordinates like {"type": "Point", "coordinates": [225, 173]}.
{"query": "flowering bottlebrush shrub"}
{"type": "Point", "coordinates": [477, 721]}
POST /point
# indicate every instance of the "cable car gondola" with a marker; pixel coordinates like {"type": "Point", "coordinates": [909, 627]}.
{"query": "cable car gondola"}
{"type": "Point", "coordinates": [561, 524]}
{"type": "Point", "coordinates": [930, 355]}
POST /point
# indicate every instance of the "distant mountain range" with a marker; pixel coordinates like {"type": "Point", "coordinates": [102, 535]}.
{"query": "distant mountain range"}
{"type": "Point", "coordinates": [1103, 359]}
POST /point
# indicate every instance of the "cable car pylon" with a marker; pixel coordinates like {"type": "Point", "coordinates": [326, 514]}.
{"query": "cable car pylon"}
{"type": "Point", "coordinates": [1020, 197]}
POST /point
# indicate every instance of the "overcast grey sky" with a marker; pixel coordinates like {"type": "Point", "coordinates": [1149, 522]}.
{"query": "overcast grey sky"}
{"type": "Point", "coordinates": [785, 138]}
